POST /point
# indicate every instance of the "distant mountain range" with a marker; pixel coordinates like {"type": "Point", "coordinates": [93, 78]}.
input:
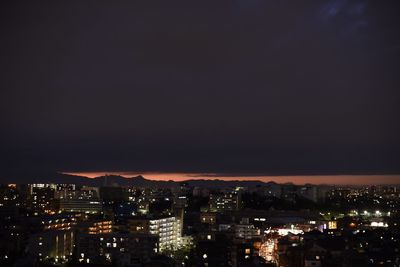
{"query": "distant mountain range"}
{"type": "Point", "coordinates": [116, 180]}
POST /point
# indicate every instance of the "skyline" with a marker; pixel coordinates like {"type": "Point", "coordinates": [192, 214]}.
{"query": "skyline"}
{"type": "Point", "coordinates": [231, 133]}
{"type": "Point", "coordinates": [295, 179]}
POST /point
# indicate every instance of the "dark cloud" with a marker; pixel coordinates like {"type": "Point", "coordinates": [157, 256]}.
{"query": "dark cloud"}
{"type": "Point", "coordinates": [214, 86]}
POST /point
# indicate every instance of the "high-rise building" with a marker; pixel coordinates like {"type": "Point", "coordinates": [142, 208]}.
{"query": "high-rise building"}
{"type": "Point", "coordinates": [168, 229]}
{"type": "Point", "coordinates": [55, 245]}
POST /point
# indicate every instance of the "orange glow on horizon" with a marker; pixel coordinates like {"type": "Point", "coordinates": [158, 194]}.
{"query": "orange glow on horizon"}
{"type": "Point", "coordinates": [300, 179]}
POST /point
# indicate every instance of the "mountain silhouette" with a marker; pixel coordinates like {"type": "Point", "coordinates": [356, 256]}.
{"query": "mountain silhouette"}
{"type": "Point", "coordinates": [117, 180]}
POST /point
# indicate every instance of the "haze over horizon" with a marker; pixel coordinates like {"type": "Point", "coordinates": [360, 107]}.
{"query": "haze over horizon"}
{"type": "Point", "coordinates": [295, 179]}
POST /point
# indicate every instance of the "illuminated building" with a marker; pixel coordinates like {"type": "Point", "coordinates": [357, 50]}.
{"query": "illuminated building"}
{"type": "Point", "coordinates": [70, 192]}
{"type": "Point", "coordinates": [243, 253]}
{"type": "Point", "coordinates": [143, 207]}
{"type": "Point", "coordinates": [80, 205]}
{"type": "Point", "coordinates": [58, 223]}
{"type": "Point", "coordinates": [137, 225]}
{"type": "Point", "coordinates": [99, 227]}
{"type": "Point", "coordinates": [225, 202]}
{"type": "Point", "coordinates": [55, 244]}
{"type": "Point", "coordinates": [168, 229]}
{"type": "Point", "coordinates": [8, 195]}
{"type": "Point", "coordinates": [9, 201]}
{"type": "Point", "coordinates": [41, 198]}
{"type": "Point", "coordinates": [379, 224]}
{"type": "Point", "coordinates": [332, 225]}
{"type": "Point", "coordinates": [242, 231]}
{"type": "Point", "coordinates": [124, 249]}
{"type": "Point", "coordinates": [86, 199]}
{"type": "Point", "coordinates": [294, 230]}
{"type": "Point", "coordinates": [246, 231]}
{"type": "Point", "coordinates": [208, 217]}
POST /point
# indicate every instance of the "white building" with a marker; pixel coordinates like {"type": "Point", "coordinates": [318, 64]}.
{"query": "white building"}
{"type": "Point", "coordinates": [168, 229]}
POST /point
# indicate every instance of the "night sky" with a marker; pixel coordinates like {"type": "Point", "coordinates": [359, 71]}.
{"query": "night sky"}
{"type": "Point", "coordinates": [245, 87]}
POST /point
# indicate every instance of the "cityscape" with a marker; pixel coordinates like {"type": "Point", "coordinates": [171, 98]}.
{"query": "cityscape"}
{"type": "Point", "coordinates": [212, 133]}
{"type": "Point", "coordinates": [198, 223]}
